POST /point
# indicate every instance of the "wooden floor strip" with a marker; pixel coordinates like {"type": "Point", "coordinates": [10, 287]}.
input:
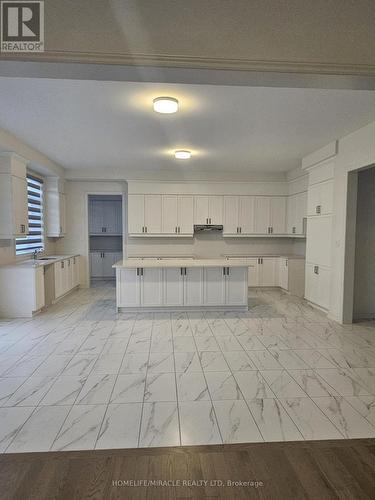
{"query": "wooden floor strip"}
{"type": "Point", "coordinates": [315, 470]}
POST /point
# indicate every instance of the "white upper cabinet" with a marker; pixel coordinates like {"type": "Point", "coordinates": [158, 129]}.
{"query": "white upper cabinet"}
{"type": "Point", "coordinates": [177, 215]}
{"type": "Point", "coordinates": [185, 215]}
{"type": "Point", "coordinates": [262, 215]}
{"type": "Point", "coordinates": [238, 215]}
{"type": "Point", "coordinates": [270, 215]}
{"type": "Point", "coordinates": [296, 213]}
{"type": "Point", "coordinates": [13, 197]}
{"type": "Point", "coordinates": [56, 207]}
{"type": "Point", "coordinates": [136, 213]}
{"type": "Point", "coordinates": [208, 209]}
{"type": "Point", "coordinates": [153, 214]}
{"type": "Point", "coordinates": [320, 199]}
{"type": "Point", "coordinates": [144, 214]}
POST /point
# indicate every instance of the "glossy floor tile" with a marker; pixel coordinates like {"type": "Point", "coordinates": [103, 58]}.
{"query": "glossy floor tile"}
{"type": "Point", "coordinates": [81, 376]}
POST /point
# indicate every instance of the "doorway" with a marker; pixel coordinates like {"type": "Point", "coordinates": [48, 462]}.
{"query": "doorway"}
{"type": "Point", "coordinates": [364, 268]}
{"type": "Point", "coordinates": [105, 235]}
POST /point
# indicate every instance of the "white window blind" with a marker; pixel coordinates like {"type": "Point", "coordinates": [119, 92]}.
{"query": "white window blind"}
{"type": "Point", "coordinates": [34, 240]}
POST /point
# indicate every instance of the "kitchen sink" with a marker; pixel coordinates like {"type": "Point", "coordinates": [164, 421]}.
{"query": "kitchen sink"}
{"type": "Point", "coordinates": [47, 258]}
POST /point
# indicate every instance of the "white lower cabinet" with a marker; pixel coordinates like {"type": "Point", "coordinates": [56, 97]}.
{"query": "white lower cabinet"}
{"type": "Point", "coordinates": [151, 287]}
{"type": "Point", "coordinates": [174, 286]}
{"type": "Point", "coordinates": [214, 286]}
{"type": "Point", "coordinates": [66, 276]}
{"type": "Point", "coordinates": [292, 275]}
{"type": "Point", "coordinates": [284, 273]}
{"type": "Point", "coordinates": [178, 287]}
{"type": "Point", "coordinates": [193, 286]}
{"type": "Point", "coordinates": [317, 289]}
{"type": "Point", "coordinates": [262, 271]}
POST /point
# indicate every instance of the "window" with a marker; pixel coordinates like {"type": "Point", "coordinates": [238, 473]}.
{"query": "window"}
{"type": "Point", "coordinates": [34, 240]}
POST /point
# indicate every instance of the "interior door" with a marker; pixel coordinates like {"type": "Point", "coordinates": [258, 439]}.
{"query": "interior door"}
{"type": "Point", "coordinates": [136, 213]}
{"type": "Point", "coordinates": [193, 287]}
{"type": "Point", "coordinates": [278, 215]}
{"type": "Point", "coordinates": [246, 214]}
{"type": "Point", "coordinates": [236, 286]}
{"type": "Point", "coordinates": [173, 286]}
{"type": "Point", "coordinates": [169, 214]}
{"type": "Point", "coordinates": [215, 209]}
{"type": "Point", "coordinates": [231, 214]}
{"type": "Point", "coordinates": [262, 214]}
{"type": "Point", "coordinates": [214, 286]}
{"type": "Point", "coordinates": [185, 215]}
{"type": "Point", "coordinates": [153, 213]}
{"type": "Point", "coordinates": [200, 209]}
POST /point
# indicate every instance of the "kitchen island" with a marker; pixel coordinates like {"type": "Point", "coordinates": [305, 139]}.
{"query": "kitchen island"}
{"type": "Point", "coordinates": [181, 284]}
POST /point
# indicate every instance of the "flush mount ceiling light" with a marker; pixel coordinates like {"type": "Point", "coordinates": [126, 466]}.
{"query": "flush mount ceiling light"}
{"type": "Point", "coordinates": [165, 105]}
{"type": "Point", "coordinates": [182, 154]}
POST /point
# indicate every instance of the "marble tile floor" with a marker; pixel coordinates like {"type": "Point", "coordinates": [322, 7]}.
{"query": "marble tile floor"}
{"type": "Point", "coordinates": [81, 377]}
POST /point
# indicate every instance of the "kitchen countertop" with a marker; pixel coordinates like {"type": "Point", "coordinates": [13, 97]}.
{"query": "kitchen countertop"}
{"type": "Point", "coordinates": [256, 255]}
{"type": "Point", "coordinates": [31, 263]}
{"type": "Point", "coordinates": [132, 263]}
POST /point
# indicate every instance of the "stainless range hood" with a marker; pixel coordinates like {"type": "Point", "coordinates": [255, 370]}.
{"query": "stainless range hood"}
{"type": "Point", "coordinates": [198, 228]}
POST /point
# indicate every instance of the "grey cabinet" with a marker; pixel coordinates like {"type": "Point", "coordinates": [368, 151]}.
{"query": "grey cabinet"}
{"type": "Point", "coordinates": [105, 217]}
{"type": "Point", "coordinates": [101, 264]}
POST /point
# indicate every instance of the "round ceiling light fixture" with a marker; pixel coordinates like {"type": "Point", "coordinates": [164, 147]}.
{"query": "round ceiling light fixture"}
{"type": "Point", "coordinates": [182, 154]}
{"type": "Point", "coordinates": [165, 105]}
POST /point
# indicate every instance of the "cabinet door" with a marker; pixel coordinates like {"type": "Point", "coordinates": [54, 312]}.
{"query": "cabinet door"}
{"type": "Point", "coordinates": [108, 259]}
{"type": "Point", "coordinates": [291, 210]}
{"type": "Point", "coordinates": [58, 268]}
{"type": "Point", "coordinates": [300, 213]}
{"type": "Point", "coordinates": [76, 271]}
{"type": "Point", "coordinates": [312, 284]}
{"type": "Point", "coordinates": [128, 288]}
{"type": "Point", "coordinates": [62, 213]}
{"type": "Point", "coordinates": [185, 215]}
{"type": "Point", "coordinates": [319, 236]}
{"type": "Point", "coordinates": [200, 209]}
{"type": "Point", "coordinates": [136, 213]}
{"type": "Point", "coordinates": [278, 215]}
{"type": "Point", "coordinates": [69, 275]}
{"type": "Point", "coordinates": [326, 197]}
{"type": "Point", "coordinates": [20, 206]}
{"type": "Point", "coordinates": [39, 289]}
{"type": "Point", "coordinates": [253, 272]}
{"type": "Point", "coordinates": [152, 287]}
{"type": "Point", "coordinates": [112, 216]}
{"type": "Point", "coordinates": [215, 209]}
{"type": "Point", "coordinates": [153, 213]}
{"type": "Point", "coordinates": [214, 286]}
{"type": "Point", "coordinates": [268, 273]}
{"type": "Point", "coordinates": [169, 214]}
{"type": "Point", "coordinates": [262, 215]}
{"type": "Point", "coordinates": [246, 214]}
{"type": "Point", "coordinates": [193, 287]}
{"type": "Point", "coordinates": [324, 287]}
{"type": "Point", "coordinates": [96, 217]}
{"type": "Point", "coordinates": [231, 215]}
{"type": "Point", "coordinates": [283, 273]}
{"type": "Point", "coordinates": [96, 265]}
{"type": "Point", "coordinates": [236, 286]}
{"type": "Point", "coordinates": [173, 286]}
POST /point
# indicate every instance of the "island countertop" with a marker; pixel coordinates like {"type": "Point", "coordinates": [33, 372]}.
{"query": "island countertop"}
{"type": "Point", "coordinates": [132, 263]}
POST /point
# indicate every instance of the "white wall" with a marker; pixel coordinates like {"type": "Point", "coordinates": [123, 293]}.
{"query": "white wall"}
{"type": "Point", "coordinates": [76, 239]}
{"type": "Point", "coordinates": [364, 280]}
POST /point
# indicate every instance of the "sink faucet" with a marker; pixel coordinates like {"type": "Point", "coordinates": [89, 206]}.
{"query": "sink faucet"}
{"type": "Point", "coordinates": [35, 254]}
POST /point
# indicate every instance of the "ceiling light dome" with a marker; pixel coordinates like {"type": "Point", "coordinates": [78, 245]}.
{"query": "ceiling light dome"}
{"type": "Point", "coordinates": [182, 154]}
{"type": "Point", "coordinates": [165, 105]}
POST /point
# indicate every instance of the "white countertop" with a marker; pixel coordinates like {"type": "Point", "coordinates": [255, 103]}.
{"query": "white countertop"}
{"type": "Point", "coordinates": [31, 263]}
{"type": "Point", "coordinates": [256, 255]}
{"type": "Point", "coordinates": [132, 263]}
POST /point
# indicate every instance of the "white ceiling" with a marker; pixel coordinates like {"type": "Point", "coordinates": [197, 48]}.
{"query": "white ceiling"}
{"type": "Point", "coordinates": [110, 125]}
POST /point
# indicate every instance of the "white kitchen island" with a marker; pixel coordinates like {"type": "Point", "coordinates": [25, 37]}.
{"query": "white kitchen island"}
{"type": "Point", "coordinates": [181, 284]}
